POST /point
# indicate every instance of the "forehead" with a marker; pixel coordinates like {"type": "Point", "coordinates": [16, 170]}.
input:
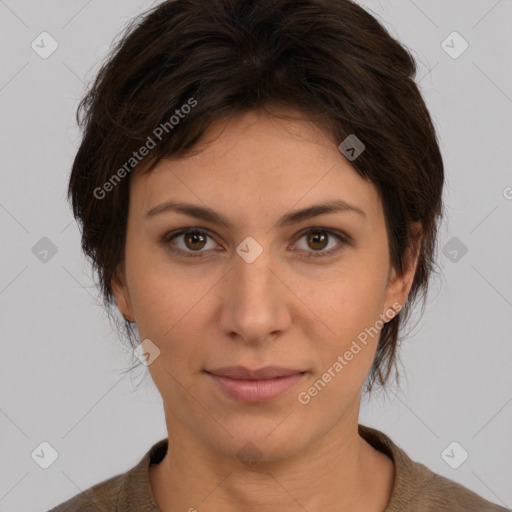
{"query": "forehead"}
{"type": "Point", "coordinates": [257, 163]}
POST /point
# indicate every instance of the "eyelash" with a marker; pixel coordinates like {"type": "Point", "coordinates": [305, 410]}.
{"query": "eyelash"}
{"type": "Point", "coordinates": [314, 254]}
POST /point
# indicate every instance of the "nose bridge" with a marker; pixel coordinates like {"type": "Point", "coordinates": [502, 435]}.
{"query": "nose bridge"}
{"type": "Point", "coordinates": [255, 305]}
{"type": "Point", "coordinates": [253, 279]}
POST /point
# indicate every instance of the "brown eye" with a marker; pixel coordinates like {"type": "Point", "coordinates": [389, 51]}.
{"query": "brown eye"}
{"type": "Point", "coordinates": [188, 242]}
{"type": "Point", "coordinates": [194, 240]}
{"type": "Point", "coordinates": [317, 240]}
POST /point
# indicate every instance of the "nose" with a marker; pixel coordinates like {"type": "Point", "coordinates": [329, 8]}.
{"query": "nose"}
{"type": "Point", "coordinates": [256, 301]}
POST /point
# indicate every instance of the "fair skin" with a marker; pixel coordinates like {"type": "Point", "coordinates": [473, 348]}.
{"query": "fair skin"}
{"type": "Point", "coordinates": [216, 309]}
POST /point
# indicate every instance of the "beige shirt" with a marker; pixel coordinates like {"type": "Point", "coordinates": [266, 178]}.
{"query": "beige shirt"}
{"type": "Point", "coordinates": [415, 487]}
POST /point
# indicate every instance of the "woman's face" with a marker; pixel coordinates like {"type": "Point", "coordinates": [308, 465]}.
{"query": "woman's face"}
{"type": "Point", "coordinates": [262, 292]}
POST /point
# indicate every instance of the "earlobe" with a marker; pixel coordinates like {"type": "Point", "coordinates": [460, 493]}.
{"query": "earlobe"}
{"type": "Point", "coordinates": [120, 290]}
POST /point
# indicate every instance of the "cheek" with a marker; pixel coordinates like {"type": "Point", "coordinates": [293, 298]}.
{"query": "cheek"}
{"type": "Point", "coordinates": [353, 298]}
{"type": "Point", "coordinates": [166, 305]}
{"type": "Point", "coordinates": [350, 303]}
{"type": "Point", "coordinates": [344, 358]}
{"type": "Point", "coordinates": [159, 296]}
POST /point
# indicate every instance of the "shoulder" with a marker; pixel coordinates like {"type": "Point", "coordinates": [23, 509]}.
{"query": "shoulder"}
{"type": "Point", "coordinates": [101, 497]}
{"type": "Point", "coordinates": [418, 489]}
{"type": "Point", "coordinates": [125, 492]}
{"type": "Point", "coordinates": [434, 492]}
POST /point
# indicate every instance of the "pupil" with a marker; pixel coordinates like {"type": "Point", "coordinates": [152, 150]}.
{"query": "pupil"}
{"type": "Point", "coordinates": [314, 240]}
{"type": "Point", "coordinates": [195, 238]}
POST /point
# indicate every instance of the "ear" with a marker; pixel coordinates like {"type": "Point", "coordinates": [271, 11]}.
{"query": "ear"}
{"type": "Point", "coordinates": [399, 284]}
{"type": "Point", "coordinates": [120, 290]}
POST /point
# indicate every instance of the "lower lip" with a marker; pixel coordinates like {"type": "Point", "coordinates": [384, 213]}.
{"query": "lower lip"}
{"type": "Point", "coordinates": [255, 391]}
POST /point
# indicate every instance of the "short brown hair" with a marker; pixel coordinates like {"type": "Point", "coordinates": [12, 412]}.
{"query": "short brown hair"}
{"type": "Point", "coordinates": [329, 59]}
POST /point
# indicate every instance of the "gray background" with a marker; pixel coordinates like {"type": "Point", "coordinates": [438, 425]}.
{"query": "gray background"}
{"type": "Point", "coordinates": [62, 365]}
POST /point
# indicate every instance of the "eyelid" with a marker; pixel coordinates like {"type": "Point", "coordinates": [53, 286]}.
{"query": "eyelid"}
{"type": "Point", "coordinates": [168, 237]}
{"type": "Point", "coordinates": [343, 238]}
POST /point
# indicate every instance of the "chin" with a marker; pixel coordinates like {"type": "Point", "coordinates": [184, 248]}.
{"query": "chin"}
{"type": "Point", "coordinates": [266, 440]}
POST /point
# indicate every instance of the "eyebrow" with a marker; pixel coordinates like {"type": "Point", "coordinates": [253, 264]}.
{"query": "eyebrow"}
{"type": "Point", "coordinates": [207, 214]}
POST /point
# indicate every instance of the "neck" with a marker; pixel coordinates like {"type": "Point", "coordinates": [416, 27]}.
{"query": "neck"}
{"type": "Point", "coordinates": [340, 470]}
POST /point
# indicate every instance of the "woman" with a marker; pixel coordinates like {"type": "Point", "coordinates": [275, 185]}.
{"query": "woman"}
{"type": "Point", "coordinates": [259, 187]}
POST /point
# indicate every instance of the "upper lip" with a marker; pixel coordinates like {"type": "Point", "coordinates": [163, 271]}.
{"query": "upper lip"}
{"type": "Point", "coordinates": [240, 372]}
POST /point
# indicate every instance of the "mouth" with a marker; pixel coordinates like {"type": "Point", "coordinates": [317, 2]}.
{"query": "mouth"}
{"type": "Point", "coordinates": [255, 386]}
